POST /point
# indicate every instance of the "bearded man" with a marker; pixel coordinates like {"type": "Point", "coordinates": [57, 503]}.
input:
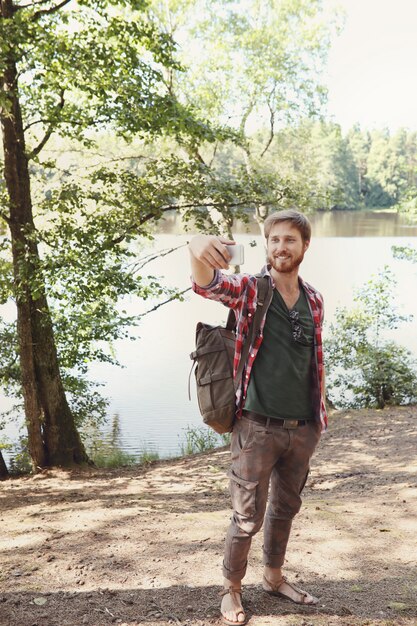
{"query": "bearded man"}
{"type": "Point", "coordinates": [280, 411]}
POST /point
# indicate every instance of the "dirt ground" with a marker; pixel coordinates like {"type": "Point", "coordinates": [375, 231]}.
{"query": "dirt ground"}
{"type": "Point", "coordinates": [144, 545]}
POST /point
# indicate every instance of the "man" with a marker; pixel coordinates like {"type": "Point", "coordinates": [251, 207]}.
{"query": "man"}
{"type": "Point", "coordinates": [279, 405]}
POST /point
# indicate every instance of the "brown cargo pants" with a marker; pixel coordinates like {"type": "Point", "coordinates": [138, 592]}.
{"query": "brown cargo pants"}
{"type": "Point", "coordinates": [265, 456]}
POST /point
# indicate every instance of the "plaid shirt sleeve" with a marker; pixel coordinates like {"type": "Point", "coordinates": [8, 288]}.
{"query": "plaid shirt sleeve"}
{"type": "Point", "coordinates": [229, 289]}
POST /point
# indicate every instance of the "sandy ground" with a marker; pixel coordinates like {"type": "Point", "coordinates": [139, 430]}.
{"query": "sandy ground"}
{"type": "Point", "coordinates": [144, 545]}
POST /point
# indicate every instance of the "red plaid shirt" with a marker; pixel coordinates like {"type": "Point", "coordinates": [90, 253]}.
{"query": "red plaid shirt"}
{"type": "Point", "coordinates": [239, 292]}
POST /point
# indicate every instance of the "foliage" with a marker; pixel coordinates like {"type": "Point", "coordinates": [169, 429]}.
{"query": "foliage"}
{"type": "Point", "coordinates": [261, 70]}
{"type": "Point", "coordinates": [408, 203]}
{"type": "Point", "coordinates": [405, 252]}
{"type": "Point", "coordinates": [104, 448]}
{"type": "Point", "coordinates": [333, 168]}
{"type": "Point", "coordinates": [112, 458]}
{"type": "Point", "coordinates": [19, 462]}
{"type": "Point", "coordinates": [229, 81]}
{"type": "Point", "coordinates": [359, 169]}
{"type": "Point", "coordinates": [84, 71]}
{"type": "Point", "coordinates": [202, 439]}
{"type": "Point", "coordinates": [121, 127]}
{"type": "Point", "coordinates": [147, 456]}
{"type": "Point", "coordinates": [364, 368]}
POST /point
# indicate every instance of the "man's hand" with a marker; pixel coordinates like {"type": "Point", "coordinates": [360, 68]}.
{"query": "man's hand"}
{"type": "Point", "coordinates": [208, 253]}
{"type": "Point", "coordinates": [211, 250]}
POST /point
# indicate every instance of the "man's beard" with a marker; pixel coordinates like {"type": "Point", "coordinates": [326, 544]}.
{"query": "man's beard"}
{"type": "Point", "coordinates": [287, 265]}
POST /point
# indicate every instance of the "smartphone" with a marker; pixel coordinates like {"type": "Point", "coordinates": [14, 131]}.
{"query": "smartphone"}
{"type": "Point", "coordinates": [237, 252]}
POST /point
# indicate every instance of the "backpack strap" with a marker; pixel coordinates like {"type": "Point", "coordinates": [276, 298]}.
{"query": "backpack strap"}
{"type": "Point", "coordinates": [264, 294]}
{"type": "Point", "coordinates": [231, 320]}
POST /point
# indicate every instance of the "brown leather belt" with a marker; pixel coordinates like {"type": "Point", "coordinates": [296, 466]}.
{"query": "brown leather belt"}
{"type": "Point", "coordinates": [274, 421]}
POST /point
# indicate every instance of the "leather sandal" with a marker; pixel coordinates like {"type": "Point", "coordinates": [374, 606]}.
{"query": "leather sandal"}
{"type": "Point", "coordinates": [230, 622]}
{"type": "Point", "coordinates": [274, 590]}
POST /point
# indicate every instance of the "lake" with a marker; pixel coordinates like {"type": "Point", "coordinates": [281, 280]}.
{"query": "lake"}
{"type": "Point", "coordinates": [150, 393]}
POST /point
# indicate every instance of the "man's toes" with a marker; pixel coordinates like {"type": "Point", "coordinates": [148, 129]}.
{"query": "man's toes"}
{"type": "Point", "coordinates": [311, 599]}
{"type": "Point", "coordinates": [235, 616]}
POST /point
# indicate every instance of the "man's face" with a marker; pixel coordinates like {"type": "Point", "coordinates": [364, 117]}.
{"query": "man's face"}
{"type": "Point", "coordinates": [285, 247]}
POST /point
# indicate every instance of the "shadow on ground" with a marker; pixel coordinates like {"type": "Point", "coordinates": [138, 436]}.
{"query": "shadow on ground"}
{"type": "Point", "coordinates": [200, 605]}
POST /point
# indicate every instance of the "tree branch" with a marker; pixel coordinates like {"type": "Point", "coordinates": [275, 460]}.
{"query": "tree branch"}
{"type": "Point", "coordinates": [216, 145]}
{"type": "Point", "coordinates": [176, 207]}
{"type": "Point", "coordinates": [272, 111]}
{"type": "Point", "coordinates": [5, 218]}
{"type": "Point", "coordinates": [34, 123]}
{"type": "Point", "coordinates": [213, 205]}
{"type": "Point", "coordinates": [271, 127]}
{"type": "Point", "coordinates": [50, 130]}
{"type": "Point", "coordinates": [245, 118]}
{"type": "Point", "coordinates": [193, 152]}
{"type": "Point", "coordinates": [134, 157]}
{"type": "Point", "coordinates": [17, 7]}
{"type": "Point", "coordinates": [151, 257]}
{"type": "Point", "coordinates": [53, 9]}
{"type": "Point", "coordinates": [157, 306]}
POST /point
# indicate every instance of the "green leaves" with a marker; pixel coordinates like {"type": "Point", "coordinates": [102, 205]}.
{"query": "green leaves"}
{"type": "Point", "coordinates": [95, 65]}
{"type": "Point", "coordinates": [364, 368]}
{"type": "Point", "coordinates": [405, 252]}
{"type": "Point", "coordinates": [378, 302]}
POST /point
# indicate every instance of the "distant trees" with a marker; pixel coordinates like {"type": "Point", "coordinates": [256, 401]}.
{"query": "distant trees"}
{"type": "Point", "coordinates": [361, 169]}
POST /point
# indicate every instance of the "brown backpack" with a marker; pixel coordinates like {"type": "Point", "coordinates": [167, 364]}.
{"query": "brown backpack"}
{"type": "Point", "coordinates": [213, 357]}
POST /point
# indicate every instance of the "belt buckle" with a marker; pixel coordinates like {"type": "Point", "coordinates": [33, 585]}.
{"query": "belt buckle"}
{"type": "Point", "coordinates": [290, 424]}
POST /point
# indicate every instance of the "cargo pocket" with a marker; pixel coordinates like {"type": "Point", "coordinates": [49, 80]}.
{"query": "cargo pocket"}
{"type": "Point", "coordinates": [243, 494]}
{"type": "Point", "coordinates": [242, 436]}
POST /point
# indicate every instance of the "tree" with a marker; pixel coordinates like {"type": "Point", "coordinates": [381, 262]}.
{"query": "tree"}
{"type": "Point", "coordinates": [359, 143]}
{"type": "Point", "coordinates": [68, 69]}
{"type": "Point", "coordinates": [261, 69]}
{"type": "Point", "coordinates": [382, 188]}
{"type": "Point", "coordinates": [336, 171]}
{"type": "Point", "coordinates": [365, 369]}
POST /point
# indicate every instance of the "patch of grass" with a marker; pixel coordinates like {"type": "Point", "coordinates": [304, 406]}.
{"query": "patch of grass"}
{"type": "Point", "coordinates": [202, 439]}
{"type": "Point", "coordinates": [115, 457]}
{"type": "Point", "coordinates": [105, 449]}
{"type": "Point", "coordinates": [112, 458]}
{"type": "Point", "coordinates": [147, 456]}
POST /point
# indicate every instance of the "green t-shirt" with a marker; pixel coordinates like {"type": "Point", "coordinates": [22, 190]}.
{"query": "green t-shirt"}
{"type": "Point", "coordinates": [282, 374]}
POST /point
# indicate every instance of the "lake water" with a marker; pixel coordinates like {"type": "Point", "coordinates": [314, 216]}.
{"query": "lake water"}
{"type": "Point", "coordinates": [150, 393]}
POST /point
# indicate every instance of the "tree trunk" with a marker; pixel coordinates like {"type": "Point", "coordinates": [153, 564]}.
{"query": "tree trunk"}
{"type": "Point", "coordinates": [53, 438]}
{"type": "Point", "coordinates": [4, 472]}
{"type": "Point", "coordinates": [261, 210]}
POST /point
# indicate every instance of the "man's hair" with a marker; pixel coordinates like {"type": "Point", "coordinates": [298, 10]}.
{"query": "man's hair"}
{"type": "Point", "coordinates": [297, 219]}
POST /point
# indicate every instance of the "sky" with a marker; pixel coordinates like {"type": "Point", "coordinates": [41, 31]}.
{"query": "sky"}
{"type": "Point", "coordinates": [371, 73]}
